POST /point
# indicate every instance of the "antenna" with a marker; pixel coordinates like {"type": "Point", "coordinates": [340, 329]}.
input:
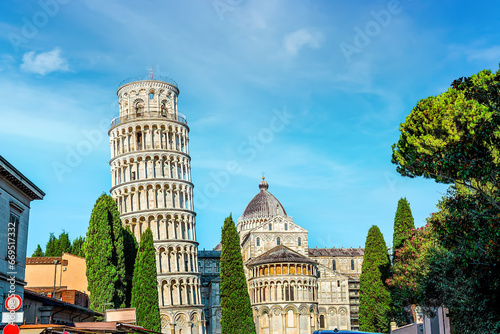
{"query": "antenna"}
{"type": "Point", "coordinates": [151, 78]}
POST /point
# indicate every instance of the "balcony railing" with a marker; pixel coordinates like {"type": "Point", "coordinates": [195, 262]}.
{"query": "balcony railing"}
{"type": "Point", "coordinates": [145, 115]}
{"type": "Point", "coordinates": [147, 77]}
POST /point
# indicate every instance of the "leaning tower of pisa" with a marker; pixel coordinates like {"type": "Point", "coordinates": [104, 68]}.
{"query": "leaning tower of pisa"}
{"type": "Point", "coordinates": [151, 183]}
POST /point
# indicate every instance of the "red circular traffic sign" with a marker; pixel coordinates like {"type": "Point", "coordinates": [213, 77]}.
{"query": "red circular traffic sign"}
{"type": "Point", "coordinates": [13, 303]}
{"type": "Point", "coordinates": [11, 329]}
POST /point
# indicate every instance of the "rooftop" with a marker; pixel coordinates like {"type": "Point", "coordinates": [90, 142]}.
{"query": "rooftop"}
{"type": "Point", "coordinates": [264, 204]}
{"type": "Point", "coordinates": [317, 252]}
{"type": "Point", "coordinates": [280, 254]}
{"type": "Point", "coordinates": [19, 180]}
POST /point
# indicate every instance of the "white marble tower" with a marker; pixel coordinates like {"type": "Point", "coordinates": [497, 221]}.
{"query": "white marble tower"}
{"type": "Point", "coordinates": [151, 183]}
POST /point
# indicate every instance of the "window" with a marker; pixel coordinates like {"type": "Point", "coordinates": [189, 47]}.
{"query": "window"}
{"type": "Point", "coordinates": [258, 242]}
{"type": "Point", "coordinates": [217, 268]}
{"type": "Point", "coordinates": [286, 226]}
{"type": "Point", "coordinates": [321, 321]}
{"type": "Point", "coordinates": [352, 264]}
{"type": "Point", "coordinates": [338, 284]}
{"type": "Point", "coordinates": [300, 241]}
{"type": "Point", "coordinates": [334, 265]}
{"type": "Point", "coordinates": [270, 227]}
{"type": "Point", "coordinates": [151, 95]}
{"type": "Point", "coordinates": [278, 241]}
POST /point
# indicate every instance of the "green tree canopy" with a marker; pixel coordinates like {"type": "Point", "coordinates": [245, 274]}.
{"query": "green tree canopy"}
{"type": "Point", "coordinates": [52, 246]}
{"type": "Point", "coordinates": [374, 296]}
{"type": "Point", "coordinates": [454, 138]}
{"type": "Point", "coordinates": [38, 252]}
{"type": "Point", "coordinates": [105, 256]}
{"type": "Point", "coordinates": [144, 287]}
{"type": "Point", "coordinates": [236, 311]}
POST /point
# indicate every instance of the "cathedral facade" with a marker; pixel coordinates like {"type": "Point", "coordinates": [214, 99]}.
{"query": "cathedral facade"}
{"type": "Point", "coordinates": [293, 288]}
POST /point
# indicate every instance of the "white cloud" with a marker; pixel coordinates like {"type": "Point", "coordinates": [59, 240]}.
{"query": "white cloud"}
{"type": "Point", "coordinates": [45, 62]}
{"type": "Point", "coordinates": [300, 38]}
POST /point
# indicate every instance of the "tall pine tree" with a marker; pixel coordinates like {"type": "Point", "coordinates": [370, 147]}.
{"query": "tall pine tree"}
{"type": "Point", "coordinates": [52, 246]}
{"type": "Point", "coordinates": [105, 256]}
{"type": "Point", "coordinates": [38, 252]}
{"type": "Point", "coordinates": [374, 299]}
{"type": "Point", "coordinates": [236, 311]}
{"type": "Point", "coordinates": [403, 224]}
{"type": "Point", "coordinates": [144, 287]}
{"type": "Point", "coordinates": [63, 243]}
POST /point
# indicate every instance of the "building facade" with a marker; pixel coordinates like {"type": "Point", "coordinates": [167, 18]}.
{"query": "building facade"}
{"type": "Point", "coordinates": [63, 278]}
{"type": "Point", "coordinates": [293, 288]}
{"type": "Point", "coordinates": [16, 194]}
{"type": "Point", "coordinates": [151, 183]}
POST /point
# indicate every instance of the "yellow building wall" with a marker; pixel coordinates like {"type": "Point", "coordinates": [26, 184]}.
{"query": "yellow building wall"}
{"type": "Point", "coordinates": [72, 276]}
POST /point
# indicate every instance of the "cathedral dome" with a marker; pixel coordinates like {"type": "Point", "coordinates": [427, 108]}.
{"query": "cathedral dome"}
{"type": "Point", "coordinates": [264, 204]}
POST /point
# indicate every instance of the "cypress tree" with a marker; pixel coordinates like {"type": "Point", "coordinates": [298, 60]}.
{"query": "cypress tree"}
{"type": "Point", "coordinates": [144, 286]}
{"type": "Point", "coordinates": [403, 224]}
{"type": "Point", "coordinates": [51, 248]}
{"type": "Point", "coordinates": [130, 245]}
{"type": "Point", "coordinates": [63, 243]}
{"type": "Point", "coordinates": [105, 256]}
{"type": "Point", "coordinates": [38, 252]}
{"type": "Point", "coordinates": [236, 311]}
{"type": "Point", "coordinates": [374, 299]}
{"type": "Point", "coordinates": [77, 247]}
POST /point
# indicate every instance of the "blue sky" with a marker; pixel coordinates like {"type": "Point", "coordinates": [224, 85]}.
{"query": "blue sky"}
{"type": "Point", "coordinates": [311, 93]}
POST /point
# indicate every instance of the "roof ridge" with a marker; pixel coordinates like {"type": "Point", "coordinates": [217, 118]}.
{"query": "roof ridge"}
{"type": "Point", "coordinates": [297, 256]}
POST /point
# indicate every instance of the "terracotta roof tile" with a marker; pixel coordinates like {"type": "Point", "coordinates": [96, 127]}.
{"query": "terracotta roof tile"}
{"type": "Point", "coordinates": [43, 260]}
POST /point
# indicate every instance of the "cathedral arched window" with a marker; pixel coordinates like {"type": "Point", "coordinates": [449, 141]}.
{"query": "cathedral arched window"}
{"type": "Point", "coordinates": [257, 242]}
{"type": "Point", "coordinates": [334, 265]}
{"type": "Point", "coordinates": [352, 264]}
{"type": "Point", "coordinates": [286, 226]}
{"type": "Point", "coordinates": [278, 241]}
{"type": "Point", "coordinates": [321, 321]}
{"type": "Point", "coordinates": [300, 241]}
{"type": "Point", "coordinates": [270, 227]}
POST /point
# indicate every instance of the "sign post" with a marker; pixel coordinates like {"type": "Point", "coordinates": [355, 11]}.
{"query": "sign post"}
{"type": "Point", "coordinates": [13, 303]}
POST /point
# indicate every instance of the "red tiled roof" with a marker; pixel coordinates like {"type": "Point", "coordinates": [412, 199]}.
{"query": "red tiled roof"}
{"type": "Point", "coordinates": [43, 260]}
